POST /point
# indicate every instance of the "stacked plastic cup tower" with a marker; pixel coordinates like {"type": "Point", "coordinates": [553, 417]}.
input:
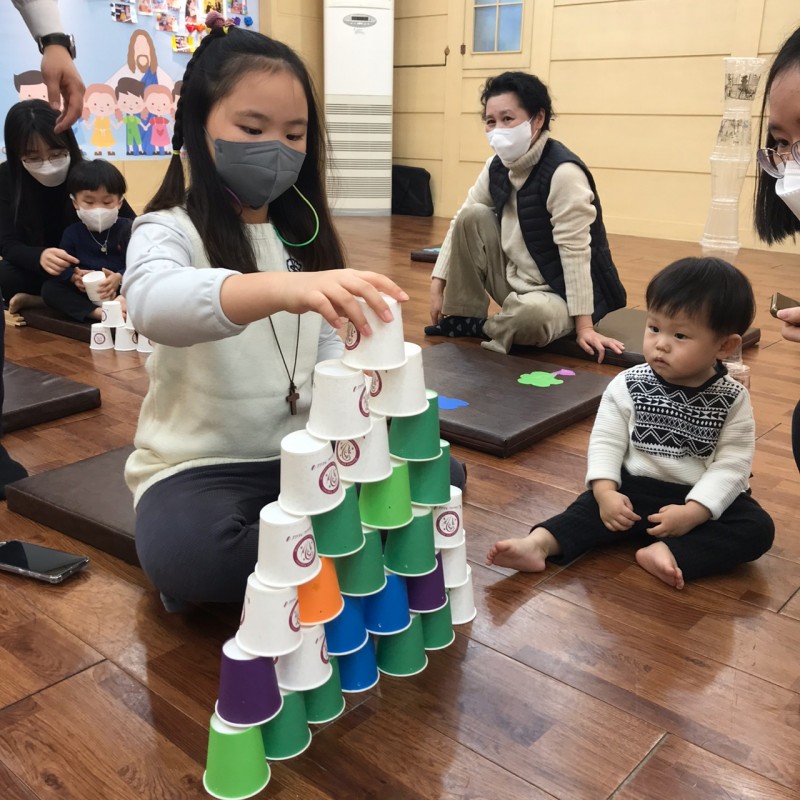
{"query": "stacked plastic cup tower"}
{"type": "Point", "coordinates": [114, 332]}
{"type": "Point", "coordinates": [730, 158]}
{"type": "Point", "coordinates": [362, 565]}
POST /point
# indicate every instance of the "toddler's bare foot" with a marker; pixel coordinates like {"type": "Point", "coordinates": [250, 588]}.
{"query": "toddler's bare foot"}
{"type": "Point", "coordinates": [526, 555]}
{"type": "Point", "coordinates": [658, 560]}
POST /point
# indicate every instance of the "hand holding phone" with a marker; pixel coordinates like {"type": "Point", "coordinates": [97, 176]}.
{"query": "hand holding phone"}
{"type": "Point", "coordinates": [780, 301]}
{"type": "Point", "coordinates": [42, 563]}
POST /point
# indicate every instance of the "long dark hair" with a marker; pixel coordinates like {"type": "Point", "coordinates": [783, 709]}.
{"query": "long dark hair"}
{"type": "Point", "coordinates": [532, 93]}
{"type": "Point", "coordinates": [25, 121]}
{"type": "Point", "coordinates": [216, 66]}
{"type": "Point", "coordinates": [773, 219]}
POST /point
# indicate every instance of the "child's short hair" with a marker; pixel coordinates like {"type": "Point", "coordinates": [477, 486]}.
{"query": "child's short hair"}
{"type": "Point", "coordinates": [89, 176]}
{"type": "Point", "coordinates": [706, 288]}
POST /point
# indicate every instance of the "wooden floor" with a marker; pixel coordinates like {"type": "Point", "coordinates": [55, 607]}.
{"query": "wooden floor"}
{"type": "Point", "coordinates": [593, 681]}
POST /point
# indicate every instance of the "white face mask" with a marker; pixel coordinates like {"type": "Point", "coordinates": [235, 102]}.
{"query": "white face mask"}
{"type": "Point", "coordinates": [511, 143]}
{"type": "Point", "coordinates": [788, 187]}
{"type": "Point", "coordinates": [50, 173]}
{"type": "Point", "coordinates": [97, 219]}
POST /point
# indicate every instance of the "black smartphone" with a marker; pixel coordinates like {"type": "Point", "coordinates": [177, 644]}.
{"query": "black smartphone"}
{"type": "Point", "coordinates": [35, 561]}
{"type": "Point", "coordinates": [780, 301]}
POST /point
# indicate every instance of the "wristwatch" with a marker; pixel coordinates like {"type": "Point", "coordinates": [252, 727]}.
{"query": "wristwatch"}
{"type": "Point", "coordinates": [64, 39]}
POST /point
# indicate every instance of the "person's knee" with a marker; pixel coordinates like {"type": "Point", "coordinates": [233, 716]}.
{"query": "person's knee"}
{"type": "Point", "coordinates": [476, 217]}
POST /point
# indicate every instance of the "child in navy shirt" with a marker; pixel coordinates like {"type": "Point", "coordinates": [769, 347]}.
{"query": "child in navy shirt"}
{"type": "Point", "coordinates": [99, 241]}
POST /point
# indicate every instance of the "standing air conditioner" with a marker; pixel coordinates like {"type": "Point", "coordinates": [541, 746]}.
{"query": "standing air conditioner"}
{"type": "Point", "coordinates": [359, 55]}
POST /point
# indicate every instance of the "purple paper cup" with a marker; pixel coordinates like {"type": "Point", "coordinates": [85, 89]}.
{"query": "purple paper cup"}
{"type": "Point", "coordinates": [427, 593]}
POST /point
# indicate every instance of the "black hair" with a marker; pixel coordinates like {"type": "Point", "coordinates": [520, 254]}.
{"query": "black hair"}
{"type": "Point", "coordinates": [216, 66]}
{"type": "Point", "coordinates": [772, 218]}
{"type": "Point", "coordinates": [89, 176]}
{"type": "Point", "coordinates": [708, 289]}
{"type": "Point", "coordinates": [25, 121]}
{"type": "Point", "coordinates": [532, 93]}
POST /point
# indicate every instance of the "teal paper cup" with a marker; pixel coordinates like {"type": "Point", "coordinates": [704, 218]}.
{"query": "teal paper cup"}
{"type": "Point", "coordinates": [416, 438]}
{"type": "Point", "coordinates": [429, 481]}
{"type": "Point", "coordinates": [235, 764]}
{"type": "Point", "coordinates": [403, 654]}
{"type": "Point", "coordinates": [387, 504]}
{"type": "Point", "coordinates": [338, 531]}
{"type": "Point", "coordinates": [361, 573]}
{"type": "Point", "coordinates": [288, 734]}
{"type": "Point", "coordinates": [409, 550]}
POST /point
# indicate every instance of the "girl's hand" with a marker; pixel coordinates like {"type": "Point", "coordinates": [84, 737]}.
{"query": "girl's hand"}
{"type": "Point", "coordinates": [790, 330]}
{"type": "Point", "coordinates": [331, 293]}
{"type": "Point", "coordinates": [77, 278]}
{"type": "Point", "coordinates": [54, 260]}
{"type": "Point", "coordinates": [594, 342]}
{"type": "Point", "coordinates": [437, 299]}
{"type": "Point", "coordinates": [108, 288]}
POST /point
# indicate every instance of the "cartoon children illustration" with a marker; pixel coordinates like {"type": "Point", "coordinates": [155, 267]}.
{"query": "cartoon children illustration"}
{"type": "Point", "coordinates": [30, 85]}
{"type": "Point", "coordinates": [101, 101]}
{"type": "Point", "coordinates": [158, 101]}
{"type": "Point", "coordinates": [130, 102]}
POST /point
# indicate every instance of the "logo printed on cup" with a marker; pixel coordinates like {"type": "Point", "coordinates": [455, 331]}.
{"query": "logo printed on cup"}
{"type": "Point", "coordinates": [323, 653]}
{"type": "Point", "coordinates": [329, 479]}
{"type": "Point", "coordinates": [377, 384]}
{"type": "Point", "coordinates": [352, 337]}
{"type": "Point", "coordinates": [305, 551]}
{"type": "Point", "coordinates": [294, 616]}
{"type": "Point", "coordinates": [99, 338]}
{"type": "Point", "coordinates": [448, 523]}
{"type": "Point", "coordinates": [363, 403]}
{"type": "Point", "coordinates": [347, 452]}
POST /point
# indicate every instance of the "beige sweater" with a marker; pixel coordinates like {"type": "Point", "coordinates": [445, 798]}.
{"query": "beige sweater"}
{"type": "Point", "coordinates": [570, 206]}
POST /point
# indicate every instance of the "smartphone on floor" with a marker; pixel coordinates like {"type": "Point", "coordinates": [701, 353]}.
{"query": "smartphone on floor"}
{"type": "Point", "coordinates": [36, 561]}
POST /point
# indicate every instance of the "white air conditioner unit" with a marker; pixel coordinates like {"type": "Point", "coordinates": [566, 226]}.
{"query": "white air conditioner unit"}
{"type": "Point", "coordinates": [359, 56]}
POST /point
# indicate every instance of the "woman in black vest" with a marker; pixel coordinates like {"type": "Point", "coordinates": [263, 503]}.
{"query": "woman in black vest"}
{"type": "Point", "coordinates": [777, 200]}
{"type": "Point", "coordinates": [530, 235]}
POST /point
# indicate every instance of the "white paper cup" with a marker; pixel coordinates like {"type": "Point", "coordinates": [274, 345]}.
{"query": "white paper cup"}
{"type": "Point", "coordinates": [365, 459]}
{"type": "Point", "coordinates": [112, 314]}
{"type": "Point", "coordinates": [462, 601]}
{"type": "Point", "coordinates": [384, 349]}
{"type": "Point", "coordinates": [287, 551]}
{"type": "Point", "coordinates": [454, 565]}
{"type": "Point", "coordinates": [270, 624]}
{"type": "Point", "coordinates": [400, 392]}
{"type": "Point", "coordinates": [448, 522]}
{"type": "Point", "coordinates": [143, 344]}
{"type": "Point", "coordinates": [308, 667]}
{"type": "Point", "coordinates": [123, 338]}
{"type": "Point", "coordinates": [309, 478]}
{"type": "Point", "coordinates": [100, 338]}
{"type": "Point", "coordinates": [90, 282]}
{"type": "Point", "coordinates": [339, 402]}
{"type": "Point", "coordinates": [129, 323]}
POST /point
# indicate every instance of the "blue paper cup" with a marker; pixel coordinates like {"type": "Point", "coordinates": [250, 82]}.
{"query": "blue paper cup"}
{"type": "Point", "coordinates": [359, 671]}
{"type": "Point", "coordinates": [387, 611]}
{"type": "Point", "coordinates": [347, 632]}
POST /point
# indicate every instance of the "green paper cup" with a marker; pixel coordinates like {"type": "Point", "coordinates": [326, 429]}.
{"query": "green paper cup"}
{"type": "Point", "coordinates": [409, 550]}
{"type": "Point", "coordinates": [361, 573]}
{"type": "Point", "coordinates": [288, 734]}
{"type": "Point", "coordinates": [235, 764]}
{"type": "Point", "coordinates": [416, 438]}
{"type": "Point", "coordinates": [403, 654]}
{"type": "Point", "coordinates": [437, 628]}
{"type": "Point", "coordinates": [327, 702]}
{"type": "Point", "coordinates": [338, 532]}
{"type": "Point", "coordinates": [386, 504]}
{"type": "Point", "coordinates": [429, 481]}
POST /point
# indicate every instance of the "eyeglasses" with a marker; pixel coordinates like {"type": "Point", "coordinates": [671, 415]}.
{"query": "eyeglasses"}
{"type": "Point", "coordinates": [56, 160]}
{"type": "Point", "coordinates": [773, 162]}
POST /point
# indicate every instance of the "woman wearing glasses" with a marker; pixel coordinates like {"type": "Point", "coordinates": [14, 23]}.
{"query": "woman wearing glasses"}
{"type": "Point", "coordinates": [777, 200]}
{"type": "Point", "coordinates": [34, 205]}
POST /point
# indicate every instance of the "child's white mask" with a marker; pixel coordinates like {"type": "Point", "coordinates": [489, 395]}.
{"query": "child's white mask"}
{"type": "Point", "coordinates": [511, 143]}
{"type": "Point", "coordinates": [788, 187]}
{"type": "Point", "coordinates": [97, 219]}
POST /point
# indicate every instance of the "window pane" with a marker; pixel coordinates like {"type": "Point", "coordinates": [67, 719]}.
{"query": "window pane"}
{"type": "Point", "coordinates": [483, 41]}
{"type": "Point", "coordinates": [485, 2]}
{"type": "Point", "coordinates": [509, 1]}
{"type": "Point", "coordinates": [510, 29]}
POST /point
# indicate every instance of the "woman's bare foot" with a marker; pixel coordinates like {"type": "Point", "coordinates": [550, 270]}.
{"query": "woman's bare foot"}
{"type": "Point", "coordinates": [658, 560]}
{"type": "Point", "coordinates": [526, 555]}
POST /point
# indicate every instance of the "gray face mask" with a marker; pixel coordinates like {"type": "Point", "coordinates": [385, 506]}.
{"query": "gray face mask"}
{"type": "Point", "coordinates": [257, 172]}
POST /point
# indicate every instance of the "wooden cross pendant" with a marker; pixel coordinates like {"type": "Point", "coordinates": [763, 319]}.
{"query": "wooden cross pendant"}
{"type": "Point", "coordinates": [292, 399]}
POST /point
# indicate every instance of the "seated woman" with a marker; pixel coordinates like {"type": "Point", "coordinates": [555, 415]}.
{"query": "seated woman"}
{"type": "Point", "coordinates": [35, 208]}
{"type": "Point", "coordinates": [530, 235]}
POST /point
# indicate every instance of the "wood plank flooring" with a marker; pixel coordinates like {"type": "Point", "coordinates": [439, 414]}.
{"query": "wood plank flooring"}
{"type": "Point", "coordinates": [586, 682]}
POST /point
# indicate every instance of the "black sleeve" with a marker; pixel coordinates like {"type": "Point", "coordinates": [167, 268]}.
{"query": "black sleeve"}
{"type": "Point", "coordinates": [12, 248]}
